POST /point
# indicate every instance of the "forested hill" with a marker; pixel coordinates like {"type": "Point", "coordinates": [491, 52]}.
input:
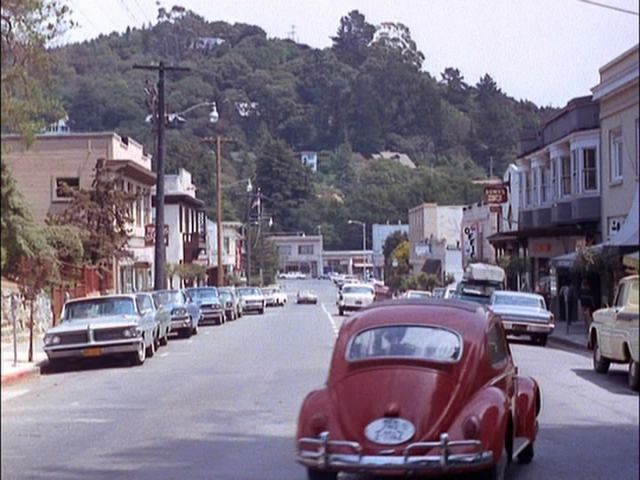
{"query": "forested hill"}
{"type": "Point", "coordinates": [364, 94]}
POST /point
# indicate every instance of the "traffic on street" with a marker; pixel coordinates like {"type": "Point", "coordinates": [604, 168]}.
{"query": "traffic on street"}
{"type": "Point", "coordinates": [224, 405]}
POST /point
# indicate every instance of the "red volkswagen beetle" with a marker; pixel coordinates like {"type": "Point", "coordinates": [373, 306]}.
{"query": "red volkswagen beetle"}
{"type": "Point", "coordinates": [419, 387]}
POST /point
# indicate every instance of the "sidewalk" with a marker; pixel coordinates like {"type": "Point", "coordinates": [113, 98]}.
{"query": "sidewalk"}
{"type": "Point", "coordinates": [22, 368]}
{"type": "Point", "coordinates": [576, 337]}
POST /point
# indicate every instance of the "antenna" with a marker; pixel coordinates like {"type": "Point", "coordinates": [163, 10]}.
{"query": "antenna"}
{"type": "Point", "coordinates": [292, 34]}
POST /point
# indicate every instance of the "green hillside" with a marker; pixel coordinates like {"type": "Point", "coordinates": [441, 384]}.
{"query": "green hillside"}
{"type": "Point", "coordinates": [364, 94]}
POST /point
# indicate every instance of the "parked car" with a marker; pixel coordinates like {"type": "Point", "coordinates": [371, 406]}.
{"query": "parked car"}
{"type": "Point", "coordinates": [306, 296]}
{"type": "Point", "coordinates": [229, 303]}
{"type": "Point", "coordinates": [523, 314]}
{"type": "Point", "coordinates": [437, 292]}
{"type": "Point", "coordinates": [269, 296]}
{"type": "Point", "coordinates": [252, 298]}
{"type": "Point", "coordinates": [354, 296]}
{"type": "Point", "coordinates": [210, 304]}
{"type": "Point", "coordinates": [163, 319]}
{"type": "Point", "coordinates": [421, 388]}
{"type": "Point", "coordinates": [275, 296]}
{"type": "Point", "coordinates": [104, 326]}
{"type": "Point", "coordinates": [613, 334]}
{"type": "Point", "coordinates": [416, 294]}
{"type": "Point", "coordinates": [184, 312]}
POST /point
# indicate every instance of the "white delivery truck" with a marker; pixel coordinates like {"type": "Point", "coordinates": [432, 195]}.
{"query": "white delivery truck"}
{"type": "Point", "coordinates": [479, 281]}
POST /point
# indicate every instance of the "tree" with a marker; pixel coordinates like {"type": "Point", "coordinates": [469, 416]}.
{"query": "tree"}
{"type": "Point", "coordinates": [15, 220]}
{"type": "Point", "coordinates": [103, 216]}
{"type": "Point", "coordinates": [352, 39]}
{"type": "Point", "coordinates": [283, 180]}
{"type": "Point", "coordinates": [28, 27]}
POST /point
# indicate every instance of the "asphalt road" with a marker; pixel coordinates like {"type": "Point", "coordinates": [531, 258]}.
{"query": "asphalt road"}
{"type": "Point", "coordinates": [223, 405]}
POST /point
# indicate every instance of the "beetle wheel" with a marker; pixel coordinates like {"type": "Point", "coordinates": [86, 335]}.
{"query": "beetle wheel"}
{"type": "Point", "coordinates": [600, 364]}
{"type": "Point", "coordinates": [526, 455]}
{"type": "Point", "coordinates": [313, 474]}
{"type": "Point", "coordinates": [634, 375]}
{"type": "Point", "coordinates": [499, 469]}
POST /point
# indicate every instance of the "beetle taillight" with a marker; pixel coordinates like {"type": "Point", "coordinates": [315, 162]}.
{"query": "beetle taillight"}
{"type": "Point", "coordinates": [319, 423]}
{"type": "Point", "coordinates": [471, 428]}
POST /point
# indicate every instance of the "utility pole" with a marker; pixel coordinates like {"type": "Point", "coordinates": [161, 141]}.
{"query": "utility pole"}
{"type": "Point", "coordinates": [160, 253]}
{"type": "Point", "coordinates": [218, 142]}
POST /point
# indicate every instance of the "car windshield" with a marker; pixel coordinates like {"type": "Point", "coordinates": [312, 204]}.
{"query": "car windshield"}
{"type": "Point", "coordinates": [203, 293]}
{"type": "Point", "coordinates": [418, 295]}
{"type": "Point", "coordinates": [518, 301]}
{"type": "Point", "coordinates": [165, 298]}
{"type": "Point", "coordinates": [249, 291]}
{"type": "Point", "coordinates": [226, 296]}
{"type": "Point", "coordinates": [357, 289]}
{"type": "Point", "coordinates": [409, 341]}
{"type": "Point", "coordinates": [98, 307]}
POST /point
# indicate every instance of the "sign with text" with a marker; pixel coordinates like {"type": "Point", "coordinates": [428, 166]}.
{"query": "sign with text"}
{"type": "Point", "coordinates": [150, 234]}
{"type": "Point", "coordinates": [469, 235]}
{"type": "Point", "coordinates": [495, 194]}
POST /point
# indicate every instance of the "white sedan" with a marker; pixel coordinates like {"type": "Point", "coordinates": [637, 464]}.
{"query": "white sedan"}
{"type": "Point", "coordinates": [354, 296]}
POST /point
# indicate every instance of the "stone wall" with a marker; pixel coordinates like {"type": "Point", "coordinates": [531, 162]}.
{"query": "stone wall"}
{"type": "Point", "coordinates": [14, 304]}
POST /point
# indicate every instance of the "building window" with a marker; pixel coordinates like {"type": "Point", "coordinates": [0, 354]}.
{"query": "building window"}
{"type": "Point", "coordinates": [527, 190]}
{"type": "Point", "coordinates": [554, 179]}
{"type": "Point", "coordinates": [575, 164]}
{"type": "Point", "coordinates": [589, 170]}
{"type": "Point", "coordinates": [139, 200]}
{"type": "Point", "coordinates": [187, 215]}
{"type": "Point", "coordinates": [284, 249]}
{"type": "Point", "coordinates": [534, 186]}
{"type": "Point", "coordinates": [62, 187]}
{"type": "Point", "coordinates": [565, 176]}
{"type": "Point", "coordinates": [147, 206]}
{"type": "Point", "coordinates": [545, 194]}
{"type": "Point", "coordinates": [226, 248]}
{"type": "Point", "coordinates": [615, 156]}
{"type": "Point", "coordinates": [180, 214]}
{"type": "Point", "coordinates": [305, 249]}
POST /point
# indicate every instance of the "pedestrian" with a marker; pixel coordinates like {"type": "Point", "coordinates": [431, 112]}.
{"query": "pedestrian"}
{"type": "Point", "coordinates": [586, 302]}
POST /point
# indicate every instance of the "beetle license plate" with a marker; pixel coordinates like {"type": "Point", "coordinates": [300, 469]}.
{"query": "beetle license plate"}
{"type": "Point", "coordinates": [92, 352]}
{"type": "Point", "coordinates": [389, 431]}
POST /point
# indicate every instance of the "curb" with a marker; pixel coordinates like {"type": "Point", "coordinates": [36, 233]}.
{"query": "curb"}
{"type": "Point", "coordinates": [582, 347]}
{"type": "Point", "coordinates": [14, 377]}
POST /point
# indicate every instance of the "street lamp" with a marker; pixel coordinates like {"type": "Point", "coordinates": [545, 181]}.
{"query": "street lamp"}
{"type": "Point", "coordinates": [364, 242]}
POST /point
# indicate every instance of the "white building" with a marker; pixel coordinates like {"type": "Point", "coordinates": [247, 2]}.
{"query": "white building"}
{"type": "Point", "coordinates": [435, 230]}
{"type": "Point", "coordinates": [309, 160]}
{"type": "Point", "coordinates": [479, 222]}
{"type": "Point", "coordinates": [185, 219]}
{"type": "Point", "coordinates": [232, 247]}
{"type": "Point", "coordinates": [380, 233]}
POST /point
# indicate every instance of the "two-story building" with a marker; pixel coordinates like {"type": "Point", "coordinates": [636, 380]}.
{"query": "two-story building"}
{"type": "Point", "coordinates": [379, 234]}
{"type": "Point", "coordinates": [434, 239]}
{"type": "Point", "coordinates": [185, 219]}
{"type": "Point", "coordinates": [70, 158]}
{"type": "Point", "coordinates": [232, 249]}
{"type": "Point", "coordinates": [299, 253]}
{"type": "Point", "coordinates": [560, 189]}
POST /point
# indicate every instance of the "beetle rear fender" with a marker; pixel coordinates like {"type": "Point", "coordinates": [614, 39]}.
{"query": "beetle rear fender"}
{"type": "Point", "coordinates": [529, 403]}
{"type": "Point", "coordinates": [490, 406]}
{"type": "Point", "coordinates": [314, 412]}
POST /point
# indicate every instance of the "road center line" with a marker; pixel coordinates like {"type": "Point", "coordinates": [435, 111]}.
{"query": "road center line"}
{"type": "Point", "coordinates": [333, 323]}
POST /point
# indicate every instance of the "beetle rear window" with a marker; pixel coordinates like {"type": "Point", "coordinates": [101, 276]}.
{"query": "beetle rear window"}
{"type": "Point", "coordinates": [408, 341]}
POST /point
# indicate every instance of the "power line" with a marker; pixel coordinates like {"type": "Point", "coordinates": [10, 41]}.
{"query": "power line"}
{"type": "Point", "coordinates": [130, 13]}
{"type": "Point", "coordinates": [611, 7]}
{"type": "Point", "coordinates": [143, 12]}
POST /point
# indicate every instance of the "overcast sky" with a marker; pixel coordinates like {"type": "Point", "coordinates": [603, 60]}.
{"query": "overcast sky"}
{"type": "Point", "coordinates": [546, 51]}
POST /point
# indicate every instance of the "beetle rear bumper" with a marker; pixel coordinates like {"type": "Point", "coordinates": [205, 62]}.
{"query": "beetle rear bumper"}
{"type": "Point", "coordinates": [322, 453]}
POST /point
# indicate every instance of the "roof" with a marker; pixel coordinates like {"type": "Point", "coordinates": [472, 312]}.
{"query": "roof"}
{"type": "Point", "coordinates": [511, 293]}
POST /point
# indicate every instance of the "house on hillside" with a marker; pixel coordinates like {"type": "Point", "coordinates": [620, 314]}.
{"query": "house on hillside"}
{"type": "Point", "coordinates": [401, 158]}
{"type": "Point", "coordinates": [309, 159]}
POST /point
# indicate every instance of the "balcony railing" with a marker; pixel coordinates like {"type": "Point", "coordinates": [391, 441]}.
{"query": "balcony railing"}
{"type": "Point", "coordinates": [194, 243]}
